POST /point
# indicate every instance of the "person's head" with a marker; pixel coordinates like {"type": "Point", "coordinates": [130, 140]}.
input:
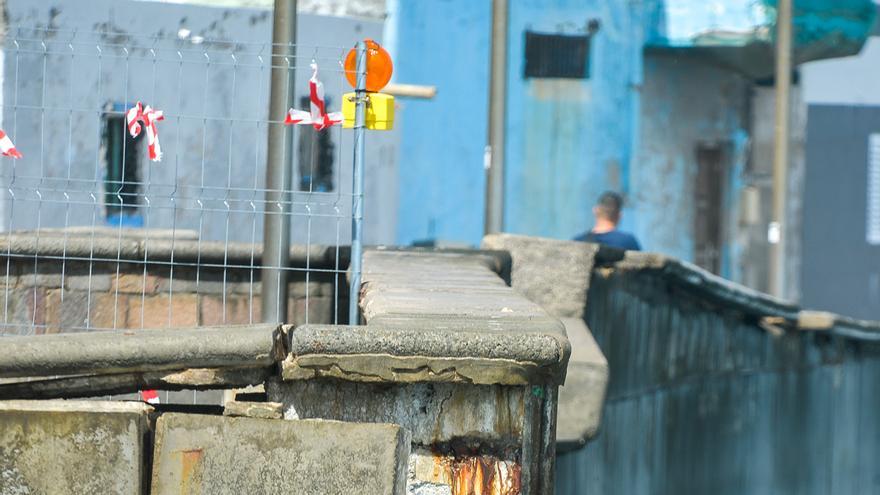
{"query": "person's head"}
{"type": "Point", "coordinates": [608, 207]}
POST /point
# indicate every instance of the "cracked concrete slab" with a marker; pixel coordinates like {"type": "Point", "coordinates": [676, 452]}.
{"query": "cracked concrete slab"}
{"type": "Point", "coordinates": [73, 447]}
{"type": "Point", "coordinates": [235, 455]}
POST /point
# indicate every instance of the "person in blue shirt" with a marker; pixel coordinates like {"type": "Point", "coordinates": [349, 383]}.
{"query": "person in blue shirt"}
{"type": "Point", "coordinates": [607, 212]}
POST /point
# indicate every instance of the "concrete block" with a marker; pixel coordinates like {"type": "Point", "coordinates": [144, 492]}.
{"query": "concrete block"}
{"type": "Point", "coordinates": [72, 447]}
{"type": "Point", "coordinates": [236, 310]}
{"type": "Point", "coordinates": [160, 311]}
{"type": "Point", "coordinates": [264, 410]}
{"type": "Point", "coordinates": [816, 320]}
{"type": "Point", "coordinates": [24, 308]}
{"type": "Point", "coordinates": [552, 273]}
{"type": "Point", "coordinates": [579, 412]}
{"type": "Point", "coordinates": [135, 282]}
{"type": "Point", "coordinates": [80, 309]}
{"type": "Point", "coordinates": [96, 282]}
{"type": "Point", "coordinates": [311, 310]}
{"type": "Point", "coordinates": [226, 455]}
{"type": "Point", "coordinates": [147, 350]}
{"type": "Point", "coordinates": [431, 412]}
{"type": "Point", "coordinates": [42, 280]}
{"type": "Point", "coordinates": [314, 289]}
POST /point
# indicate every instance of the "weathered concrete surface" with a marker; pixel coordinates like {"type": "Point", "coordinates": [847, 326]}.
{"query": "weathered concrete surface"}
{"type": "Point", "coordinates": [140, 350]}
{"type": "Point", "coordinates": [450, 473]}
{"type": "Point", "coordinates": [579, 412]}
{"type": "Point", "coordinates": [73, 447]}
{"type": "Point", "coordinates": [556, 274]}
{"type": "Point", "coordinates": [422, 350]}
{"type": "Point", "coordinates": [552, 273]}
{"type": "Point", "coordinates": [449, 305]}
{"type": "Point", "coordinates": [122, 383]}
{"type": "Point", "coordinates": [433, 413]}
{"type": "Point", "coordinates": [219, 455]}
{"type": "Point", "coordinates": [139, 245]}
{"type": "Point", "coordinates": [702, 399]}
{"type": "Point", "coordinates": [262, 410]}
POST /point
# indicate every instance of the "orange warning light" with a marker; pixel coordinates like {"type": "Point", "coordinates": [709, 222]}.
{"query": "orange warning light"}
{"type": "Point", "coordinates": [379, 67]}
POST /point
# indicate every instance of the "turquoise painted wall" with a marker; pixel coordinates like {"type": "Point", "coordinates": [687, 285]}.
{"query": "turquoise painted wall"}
{"type": "Point", "coordinates": [444, 43]}
{"type": "Point", "coordinates": [568, 140]}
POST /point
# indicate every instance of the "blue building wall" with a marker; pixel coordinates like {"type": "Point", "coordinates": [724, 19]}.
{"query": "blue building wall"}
{"type": "Point", "coordinates": [442, 180]}
{"type": "Point", "coordinates": [570, 139]}
{"type": "Point", "coordinates": [567, 140]}
{"type": "Point", "coordinates": [686, 102]}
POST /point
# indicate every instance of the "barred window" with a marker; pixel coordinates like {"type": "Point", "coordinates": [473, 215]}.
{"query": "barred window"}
{"type": "Point", "coordinates": [557, 56]}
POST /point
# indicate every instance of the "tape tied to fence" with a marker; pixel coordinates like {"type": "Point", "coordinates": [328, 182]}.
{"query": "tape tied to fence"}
{"type": "Point", "coordinates": [149, 116]}
{"type": "Point", "coordinates": [317, 115]}
{"type": "Point", "coordinates": [6, 146]}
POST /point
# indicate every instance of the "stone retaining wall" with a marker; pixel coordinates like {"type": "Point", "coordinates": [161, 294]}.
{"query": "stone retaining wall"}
{"type": "Point", "coordinates": [75, 281]}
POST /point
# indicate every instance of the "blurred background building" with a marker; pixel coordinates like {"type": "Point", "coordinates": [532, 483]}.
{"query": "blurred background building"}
{"type": "Point", "coordinates": [668, 101]}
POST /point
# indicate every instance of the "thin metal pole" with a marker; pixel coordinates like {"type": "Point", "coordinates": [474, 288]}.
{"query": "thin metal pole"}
{"type": "Point", "coordinates": [780, 150]}
{"type": "Point", "coordinates": [494, 156]}
{"type": "Point", "coordinates": [276, 223]}
{"type": "Point", "coordinates": [357, 200]}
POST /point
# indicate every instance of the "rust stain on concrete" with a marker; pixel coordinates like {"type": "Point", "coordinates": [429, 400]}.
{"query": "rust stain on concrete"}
{"type": "Point", "coordinates": [189, 460]}
{"type": "Point", "coordinates": [478, 474]}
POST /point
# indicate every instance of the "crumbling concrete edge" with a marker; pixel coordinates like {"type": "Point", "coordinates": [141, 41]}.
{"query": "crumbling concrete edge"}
{"type": "Point", "coordinates": [784, 315]}
{"type": "Point", "coordinates": [414, 353]}
{"type": "Point", "coordinates": [128, 245]}
{"type": "Point", "coordinates": [374, 368]}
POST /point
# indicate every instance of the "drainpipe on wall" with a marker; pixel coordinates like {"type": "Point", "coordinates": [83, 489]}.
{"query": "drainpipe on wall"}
{"type": "Point", "coordinates": [776, 230]}
{"type": "Point", "coordinates": [493, 160]}
{"type": "Point", "coordinates": [276, 223]}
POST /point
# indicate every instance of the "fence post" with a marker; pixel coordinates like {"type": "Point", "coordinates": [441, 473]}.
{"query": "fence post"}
{"type": "Point", "coordinates": [276, 223]}
{"type": "Point", "coordinates": [357, 199]}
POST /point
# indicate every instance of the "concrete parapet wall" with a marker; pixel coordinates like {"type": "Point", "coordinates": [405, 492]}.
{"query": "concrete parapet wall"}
{"type": "Point", "coordinates": [68, 280]}
{"type": "Point", "coordinates": [91, 447]}
{"type": "Point", "coordinates": [451, 353]}
{"type": "Point", "coordinates": [556, 274]}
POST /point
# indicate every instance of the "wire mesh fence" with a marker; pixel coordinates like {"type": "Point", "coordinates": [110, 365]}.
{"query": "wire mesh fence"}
{"type": "Point", "coordinates": [96, 235]}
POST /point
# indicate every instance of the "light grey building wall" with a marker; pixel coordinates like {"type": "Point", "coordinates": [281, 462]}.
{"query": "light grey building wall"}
{"type": "Point", "coordinates": [207, 69]}
{"type": "Point", "coordinates": [840, 269]}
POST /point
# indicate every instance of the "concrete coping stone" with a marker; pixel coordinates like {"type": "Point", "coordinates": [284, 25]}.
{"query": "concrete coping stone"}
{"type": "Point", "coordinates": [157, 245]}
{"type": "Point", "coordinates": [732, 295]}
{"type": "Point", "coordinates": [123, 351]}
{"type": "Point", "coordinates": [419, 352]}
{"type": "Point", "coordinates": [434, 316]}
{"type": "Point", "coordinates": [85, 406]}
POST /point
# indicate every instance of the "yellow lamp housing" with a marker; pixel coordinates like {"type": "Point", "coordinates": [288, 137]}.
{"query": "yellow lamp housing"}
{"type": "Point", "coordinates": [380, 111]}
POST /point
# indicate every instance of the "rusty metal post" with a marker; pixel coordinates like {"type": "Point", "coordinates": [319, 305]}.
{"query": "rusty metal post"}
{"type": "Point", "coordinates": [776, 230]}
{"type": "Point", "coordinates": [276, 223]}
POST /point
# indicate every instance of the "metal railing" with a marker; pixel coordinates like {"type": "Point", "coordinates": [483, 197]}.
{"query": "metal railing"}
{"type": "Point", "coordinates": [95, 235]}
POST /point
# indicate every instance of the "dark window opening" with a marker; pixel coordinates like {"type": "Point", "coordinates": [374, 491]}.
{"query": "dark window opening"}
{"type": "Point", "coordinates": [315, 156]}
{"type": "Point", "coordinates": [557, 56]}
{"type": "Point", "coordinates": [122, 159]}
{"type": "Point", "coordinates": [711, 182]}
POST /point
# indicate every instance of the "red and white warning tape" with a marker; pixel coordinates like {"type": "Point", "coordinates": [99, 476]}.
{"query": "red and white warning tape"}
{"type": "Point", "coordinates": [141, 117]}
{"type": "Point", "coordinates": [317, 115]}
{"type": "Point", "coordinates": [150, 396]}
{"type": "Point", "coordinates": [6, 146]}
{"type": "Point", "coordinates": [149, 116]}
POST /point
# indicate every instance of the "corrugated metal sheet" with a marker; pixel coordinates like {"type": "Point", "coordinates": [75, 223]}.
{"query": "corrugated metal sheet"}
{"type": "Point", "coordinates": [702, 400]}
